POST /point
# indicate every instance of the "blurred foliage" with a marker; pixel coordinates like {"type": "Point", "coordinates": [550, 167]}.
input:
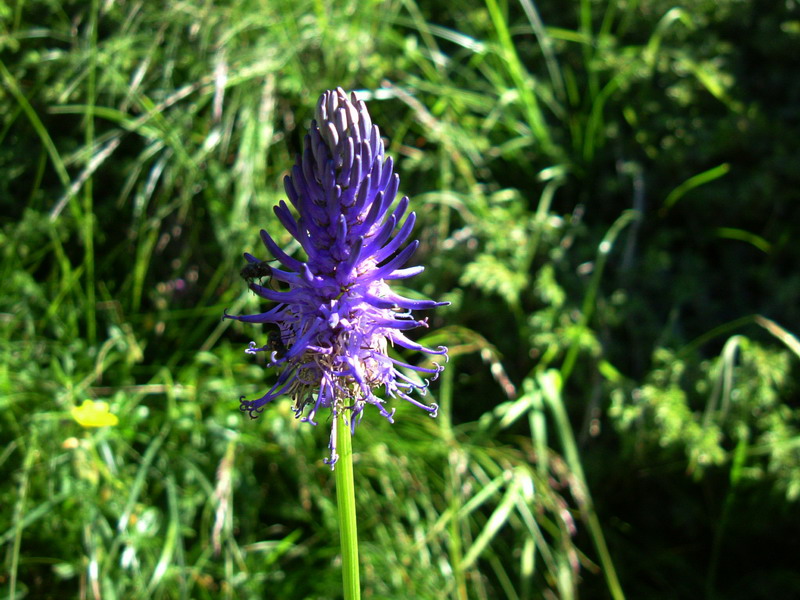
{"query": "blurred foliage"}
{"type": "Point", "coordinates": [745, 395]}
{"type": "Point", "coordinates": [606, 193]}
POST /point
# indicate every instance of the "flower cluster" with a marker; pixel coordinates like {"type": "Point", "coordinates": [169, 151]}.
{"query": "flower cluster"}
{"type": "Point", "coordinates": [336, 316]}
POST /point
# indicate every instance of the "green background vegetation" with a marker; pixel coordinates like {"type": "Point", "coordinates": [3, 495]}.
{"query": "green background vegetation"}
{"type": "Point", "coordinates": [607, 194]}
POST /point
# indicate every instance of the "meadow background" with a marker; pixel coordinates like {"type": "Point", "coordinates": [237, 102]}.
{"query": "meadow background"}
{"type": "Point", "coordinates": [607, 194]}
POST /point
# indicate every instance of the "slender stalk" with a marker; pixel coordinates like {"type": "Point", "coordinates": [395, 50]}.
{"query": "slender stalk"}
{"type": "Point", "coordinates": [346, 501]}
{"type": "Point", "coordinates": [88, 200]}
{"type": "Point", "coordinates": [591, 296]}
{"type": "Point", "coordinates": [551, 385]}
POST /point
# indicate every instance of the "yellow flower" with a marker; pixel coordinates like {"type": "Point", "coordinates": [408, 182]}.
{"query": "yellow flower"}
{"type": "Point", "coordinates": [93, 414]}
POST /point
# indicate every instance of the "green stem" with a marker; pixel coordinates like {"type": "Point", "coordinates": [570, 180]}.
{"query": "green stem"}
{"type": "Point", "coordinates": [591, 296]}
{"type": "Point", "coordinates": [346, 501]}
{"type": "Point", "coordinates": [552, 385]}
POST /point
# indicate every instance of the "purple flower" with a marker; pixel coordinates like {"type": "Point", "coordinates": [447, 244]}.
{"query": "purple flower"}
{"type": "Point", "coordinates": [336, 314]}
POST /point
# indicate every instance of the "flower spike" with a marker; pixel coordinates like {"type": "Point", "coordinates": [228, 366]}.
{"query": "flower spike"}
{"type": "Point", "coordinates": [336, 314]}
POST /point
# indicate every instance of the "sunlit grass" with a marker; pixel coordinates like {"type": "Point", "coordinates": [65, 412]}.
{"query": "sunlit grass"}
{"type": "Point", "coordinates": [143, 149]}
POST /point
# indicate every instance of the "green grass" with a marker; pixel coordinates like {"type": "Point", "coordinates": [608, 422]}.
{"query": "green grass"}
{"type": "Point", "coordinates": [604, 192]}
